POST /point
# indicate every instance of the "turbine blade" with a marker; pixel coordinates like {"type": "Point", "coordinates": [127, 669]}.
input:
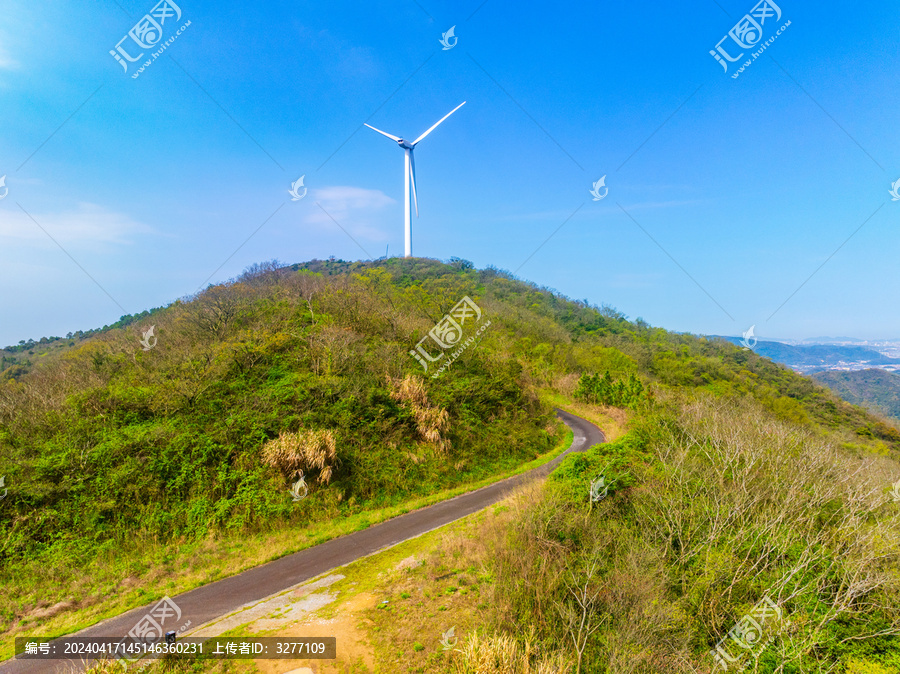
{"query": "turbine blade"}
{"type": "Point", "coordinates": [412, 180]}
{"type": "Point", "coordinates": [437, 123]}
{"type": "Point", "coordinates": [383, 133]}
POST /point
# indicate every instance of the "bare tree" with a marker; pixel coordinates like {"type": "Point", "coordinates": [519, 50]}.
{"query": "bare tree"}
{"type": "Point", "coordinates": [215, 309]}
{"type": "Point", "coordinates": [580, 613]}
{"type": "Point", "coordinates": [266, 273]}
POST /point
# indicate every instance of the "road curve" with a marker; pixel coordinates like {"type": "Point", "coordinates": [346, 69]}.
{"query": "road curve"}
{"type": "Point", "coordinates": [221, 597]}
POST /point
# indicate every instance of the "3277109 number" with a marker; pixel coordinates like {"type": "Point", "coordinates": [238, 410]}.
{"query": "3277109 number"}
{"type": "Point", "coordinates": [301, 647]}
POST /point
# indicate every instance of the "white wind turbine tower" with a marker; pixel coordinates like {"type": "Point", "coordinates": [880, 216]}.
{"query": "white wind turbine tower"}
{"type": "Point", "coordinates": [409, 175]}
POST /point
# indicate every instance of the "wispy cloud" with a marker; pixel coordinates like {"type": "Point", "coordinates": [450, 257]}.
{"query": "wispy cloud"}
{"type": "Point", "coordinates": [355, 208]}
{"type": "Point", "coordinates": [88, 224]}
{"type": "Point", "coordinates": [6, 61]}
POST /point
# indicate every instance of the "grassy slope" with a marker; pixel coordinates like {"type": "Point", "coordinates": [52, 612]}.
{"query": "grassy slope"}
{"type": "Point", "coordinates": [117, 453]}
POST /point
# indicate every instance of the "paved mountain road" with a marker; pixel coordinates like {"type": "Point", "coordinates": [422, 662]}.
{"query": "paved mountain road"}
{"type": "Point", "coordinates": [219, 598]}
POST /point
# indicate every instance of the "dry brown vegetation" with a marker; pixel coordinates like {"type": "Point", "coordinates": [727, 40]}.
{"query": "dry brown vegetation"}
{"type": "Point", "coordinates": [432, 422]}
{"type": "Point", "coordinates": [762, 505]}
{"type": "Point", "coordinates": [503, 654]}
{"type": "Point", "coordinates": [732, 506]}
{"type": "Point", "coordinates": [302, 452]}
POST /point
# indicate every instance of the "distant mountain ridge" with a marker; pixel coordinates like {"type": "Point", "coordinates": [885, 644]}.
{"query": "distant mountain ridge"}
{"type": "Point", "coordinates": [829, 340]}
{"type": "Point", "coordinates": [858, 374]}
{"type": "Point", "coordinates": [813, 358]}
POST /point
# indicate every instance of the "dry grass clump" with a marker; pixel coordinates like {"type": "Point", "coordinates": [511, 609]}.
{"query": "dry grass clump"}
{"type": "Point", "coordinates": [303, 450]}
{"type": "Point", "coordinates": [566, 384]}
{"type": "Point", "coordinates": [502, 654]}
{"type": "Point", "coordinates": [409, 390]}
{"type": "Point", "coordinates": [432, 422]}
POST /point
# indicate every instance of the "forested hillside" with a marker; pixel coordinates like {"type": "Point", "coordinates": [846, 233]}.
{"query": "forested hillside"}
{"type": "Point", "coordinates": [873, 388]}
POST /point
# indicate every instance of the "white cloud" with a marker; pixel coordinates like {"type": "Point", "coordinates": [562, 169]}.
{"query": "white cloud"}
{"type": "Point", "coordinates": [340, 197]}
{"type": "Point", "coordinates": [6, 62]}
{"type": "Point", "coordinates": [352, 207]}
{"type": "Point", "coordinates": [88, 224]}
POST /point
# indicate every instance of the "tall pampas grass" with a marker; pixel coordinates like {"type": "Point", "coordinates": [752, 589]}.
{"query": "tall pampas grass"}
{"type": "Point", "coordinates": [305, 450]}
{"type": "Point", "coordinates": [432, 422]}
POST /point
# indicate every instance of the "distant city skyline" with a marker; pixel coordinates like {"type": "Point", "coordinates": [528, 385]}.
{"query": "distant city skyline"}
{"type": "Point", "coordinates": [603, 151]}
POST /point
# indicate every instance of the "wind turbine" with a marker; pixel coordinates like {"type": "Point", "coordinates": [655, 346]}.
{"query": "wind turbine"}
{"type": "Point", "coordinates": [409, 175]}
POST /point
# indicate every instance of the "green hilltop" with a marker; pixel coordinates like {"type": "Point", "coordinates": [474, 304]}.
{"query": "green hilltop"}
{"type": "Point", "coordinates": [129, 469]}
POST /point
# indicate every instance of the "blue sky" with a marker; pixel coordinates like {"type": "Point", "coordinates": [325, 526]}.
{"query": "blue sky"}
{"type": "Point", "coordinates": [725, 195]}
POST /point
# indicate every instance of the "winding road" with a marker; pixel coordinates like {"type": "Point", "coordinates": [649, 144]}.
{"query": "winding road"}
{"type": "Point", "coordinates": [222, 597]}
